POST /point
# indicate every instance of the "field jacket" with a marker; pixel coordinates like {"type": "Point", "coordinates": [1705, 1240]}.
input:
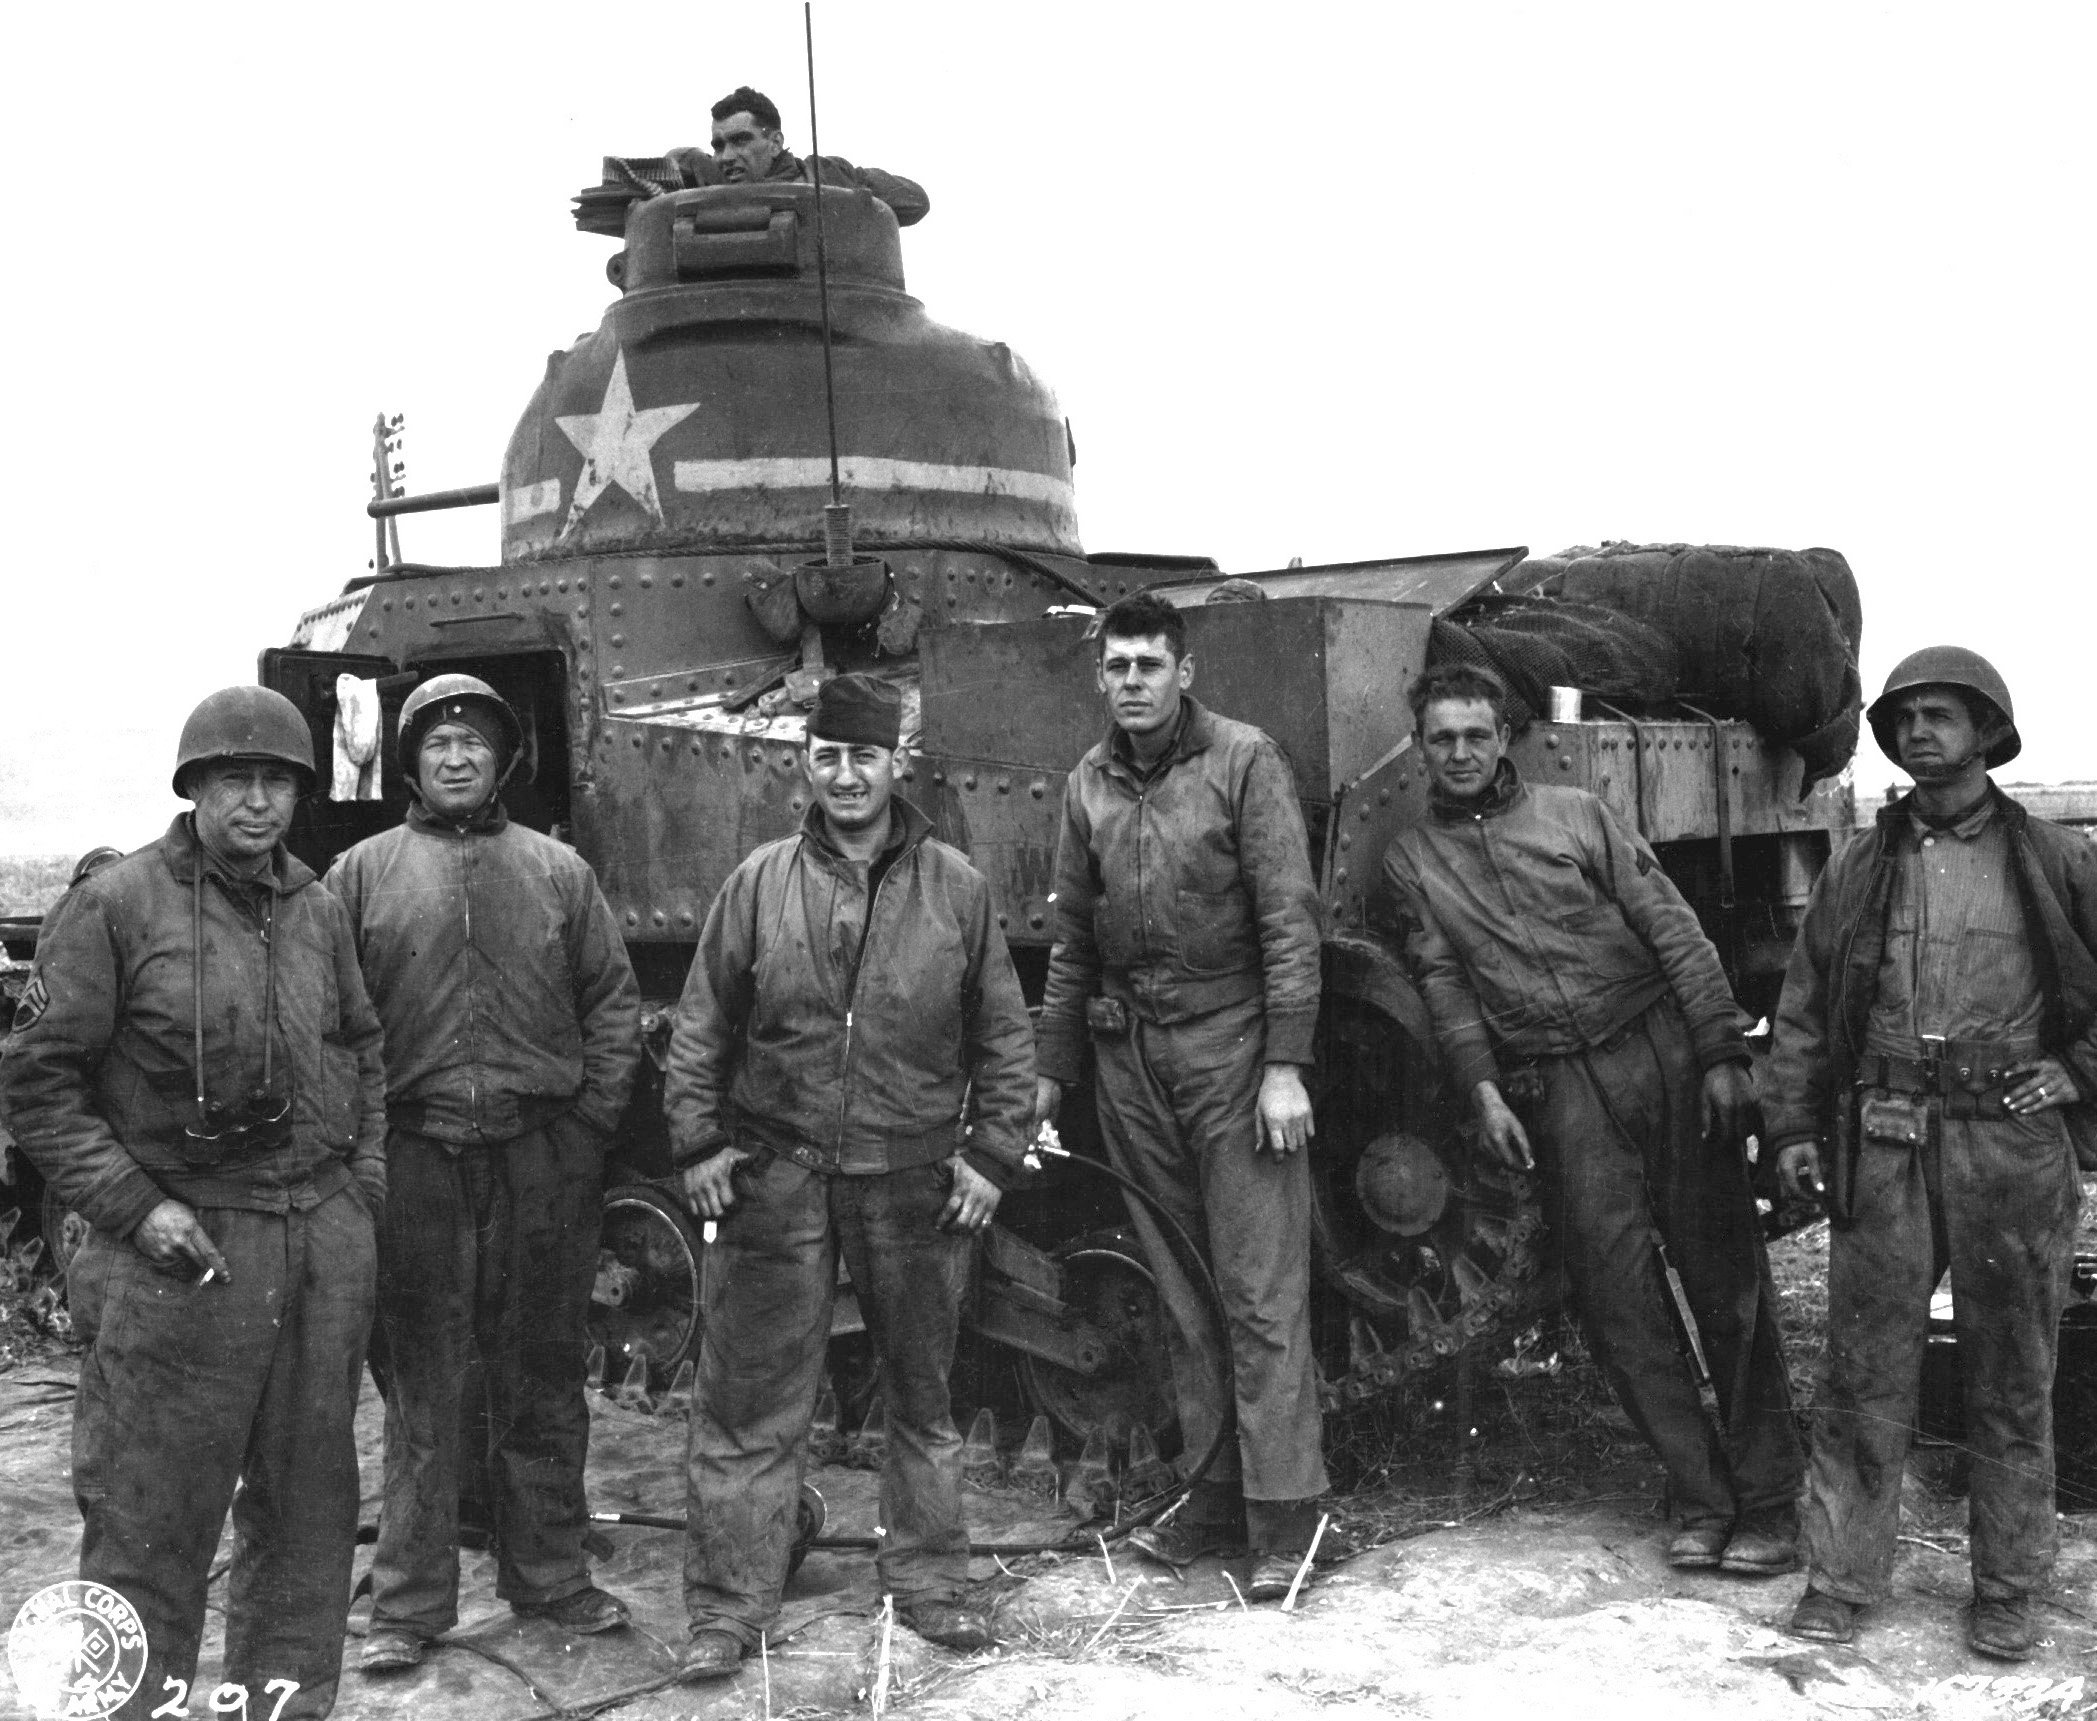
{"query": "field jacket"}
{"type": "Point", "coordinates": [1537, 924]}
{"type": "Point", "coordinates": [836, 1028]}
{"type": "Point", "coordinates": [1184, 891]}
{"type": "Point", "coordinates": [98, 1081]}
{"type": "Point", "coordinates": [1831, 981]}
{"type": "Point", "coordinates": [505, 989]}
{"type": "Point", "coordinates": [904, 196]}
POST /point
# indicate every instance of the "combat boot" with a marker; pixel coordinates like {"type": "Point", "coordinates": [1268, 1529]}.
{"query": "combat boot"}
{"type": "Point", "coordinates": [1823, 1618]}
{"type": "Point", "coordinates": [2001, 1627]}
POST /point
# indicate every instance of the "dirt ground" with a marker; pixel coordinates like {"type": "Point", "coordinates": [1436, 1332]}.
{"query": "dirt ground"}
{"type": "Point", "coordinates": [1517, 1567]}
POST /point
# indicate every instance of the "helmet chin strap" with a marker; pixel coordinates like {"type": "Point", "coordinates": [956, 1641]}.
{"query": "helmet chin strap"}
{"type": "Point", "coordinates": [1950, 770]}
{"type": "Point", "coordinates": [1947, 770]}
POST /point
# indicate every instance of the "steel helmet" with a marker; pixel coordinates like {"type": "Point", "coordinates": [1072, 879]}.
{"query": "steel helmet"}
{"type": "Point", "coordinates": [442, 696]}
{"type": "Point", "coordinates": [246, 723]}
{"type": "Point", "coordinates": [1946, 666]}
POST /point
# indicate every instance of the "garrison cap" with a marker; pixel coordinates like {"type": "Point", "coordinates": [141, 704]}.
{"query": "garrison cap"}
{"type": "Point", "coordinates": [859, 709]}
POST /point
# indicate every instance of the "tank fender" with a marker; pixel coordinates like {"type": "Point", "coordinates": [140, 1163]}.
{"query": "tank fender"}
{"type": "Point", "coordinates": [1370, 968]}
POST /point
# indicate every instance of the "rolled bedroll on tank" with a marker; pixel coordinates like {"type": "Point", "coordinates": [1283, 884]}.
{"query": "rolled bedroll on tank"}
{"type": "Point", "coordinates": [1535, 643]}
{"type": "Point", "coordinates": [1767, 636]}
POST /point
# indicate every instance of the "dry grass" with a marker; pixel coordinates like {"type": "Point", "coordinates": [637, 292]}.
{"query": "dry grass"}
{"type": "Point", "coordinates": [33, 1318]}
{"type": "Point", "coordinates": [1799, 1265]}
{"type": "Point", "coordinates": [1421, 1459]}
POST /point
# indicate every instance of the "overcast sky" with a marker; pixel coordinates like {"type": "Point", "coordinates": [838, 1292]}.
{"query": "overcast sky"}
{"type": "Point", "coordinates": [1330, 281]}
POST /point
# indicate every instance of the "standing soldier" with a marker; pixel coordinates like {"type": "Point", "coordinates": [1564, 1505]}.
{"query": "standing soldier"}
{"type": "Point", "coordinates": [850, 998]}
{"type": "Point", "coordinates": [1552, 950]}
{"type": "Point", "coordinates": [1935, 1049]}
{"type": "Point", "coordinates": [1187, 942]}
{"type": "Point", "coordinates": [196, 1070]}
{"type": "Point", "coordinates": [512, 1038]}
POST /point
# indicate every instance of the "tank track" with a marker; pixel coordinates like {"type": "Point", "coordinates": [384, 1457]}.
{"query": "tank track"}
{"type": "Point", "coordinates": [1487, 1304]}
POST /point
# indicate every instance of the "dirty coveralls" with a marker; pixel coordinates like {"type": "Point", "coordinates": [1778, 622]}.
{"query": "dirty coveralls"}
{"type": "Point", "coordinates": [836, 1020]}
{"type": "Point", "coordinates": [1183, 893]}
{"type": "Point", "coordinates": [903, 196]}
{"type": "Point", "coordinates": [512, 1039]}
{"type": "Point", "coordinates": [189, 1389]}
{"type": "Point", "coordinates": [1546, 938]}
{"type": "Point", "coordinates": [1979, 931]}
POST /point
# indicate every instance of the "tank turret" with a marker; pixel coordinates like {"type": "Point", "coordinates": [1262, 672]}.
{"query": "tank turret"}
{"type": "Point", "coordinates": [694, 418]}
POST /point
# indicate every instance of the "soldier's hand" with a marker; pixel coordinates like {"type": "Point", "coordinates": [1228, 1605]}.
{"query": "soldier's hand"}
{"type": "Point", "coordinates": [1731, 1111]}
{"type": "Point", "coordinates": [1500, 1129]}
{"type": "Point", "coordinates": [1798, 1171]}
{"type": "Point", "coordinates": [1048, 1100]}
{"type": "Point", "coordinates": [173, 1241]}
{"type": "Point", "coordinates": [974, 1200]}
{"type": "Point", "coordinates": [2040, 1085]}
{"type": "Point", "coordinates": [709, 1186]}
{"type": "Point", "coordinates": [1285, 1121]}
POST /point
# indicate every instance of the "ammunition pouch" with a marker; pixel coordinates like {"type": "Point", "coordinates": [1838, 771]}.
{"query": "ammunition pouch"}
{"type": "Point", "coordinates": [1894, 1119]}
{"type": "Point", "coordinates": [1969, 1077]}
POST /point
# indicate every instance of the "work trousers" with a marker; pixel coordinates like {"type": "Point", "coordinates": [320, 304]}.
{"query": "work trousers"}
{"type": "Point", "coordinates": [769, 1282]}
{"type": "Point", "coordinates": [488, 1254]}
{"type": "Point", "coordinates": [188, 1390]}
{"type": "Point", "coordinates": [1178, 1111]}
{"type": "Point", "coordinates": [1994, 1201]}
{"type": "Point", "coordinates": [1619, 1135]}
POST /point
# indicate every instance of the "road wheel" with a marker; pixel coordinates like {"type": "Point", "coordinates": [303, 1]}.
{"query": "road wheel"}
{"type": "Point", "coordinates": [1462, 1262]}
{"type": "Point", "coordinates": [1107, 1283]}
{"type": "Point", "coordinates": [645, 1302]}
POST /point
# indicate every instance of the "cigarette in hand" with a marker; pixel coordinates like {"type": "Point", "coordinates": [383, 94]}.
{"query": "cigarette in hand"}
{"type": "Point", "coordinates": [709, 1231]}
{"type": "Point", "coordinates": [209, 1274]}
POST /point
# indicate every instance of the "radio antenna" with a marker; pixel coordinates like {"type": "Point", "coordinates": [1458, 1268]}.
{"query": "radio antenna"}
{"type": "Point", "coordinates": [837, 518]}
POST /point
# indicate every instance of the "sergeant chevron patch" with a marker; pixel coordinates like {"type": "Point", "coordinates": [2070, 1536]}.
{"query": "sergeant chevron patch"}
{"type": "Point", "coordinates": [36, 999]}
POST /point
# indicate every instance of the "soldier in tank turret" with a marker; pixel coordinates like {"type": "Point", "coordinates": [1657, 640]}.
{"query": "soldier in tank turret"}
{"type": "Point", "coordinates": [749, 148]}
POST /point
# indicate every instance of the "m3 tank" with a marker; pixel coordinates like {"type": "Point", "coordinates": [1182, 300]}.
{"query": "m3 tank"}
{"type": "Point", "coordinates": [669, 590]}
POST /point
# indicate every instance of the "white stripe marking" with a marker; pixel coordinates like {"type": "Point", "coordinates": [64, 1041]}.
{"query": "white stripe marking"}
{"type": "Point", "coordinates": [863, 472]}
{"type": "Point", "coordinates": [532, 501]}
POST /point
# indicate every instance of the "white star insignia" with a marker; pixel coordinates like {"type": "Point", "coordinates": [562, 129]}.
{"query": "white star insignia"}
{"type": "Point", "coordinates": [617, 443]}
